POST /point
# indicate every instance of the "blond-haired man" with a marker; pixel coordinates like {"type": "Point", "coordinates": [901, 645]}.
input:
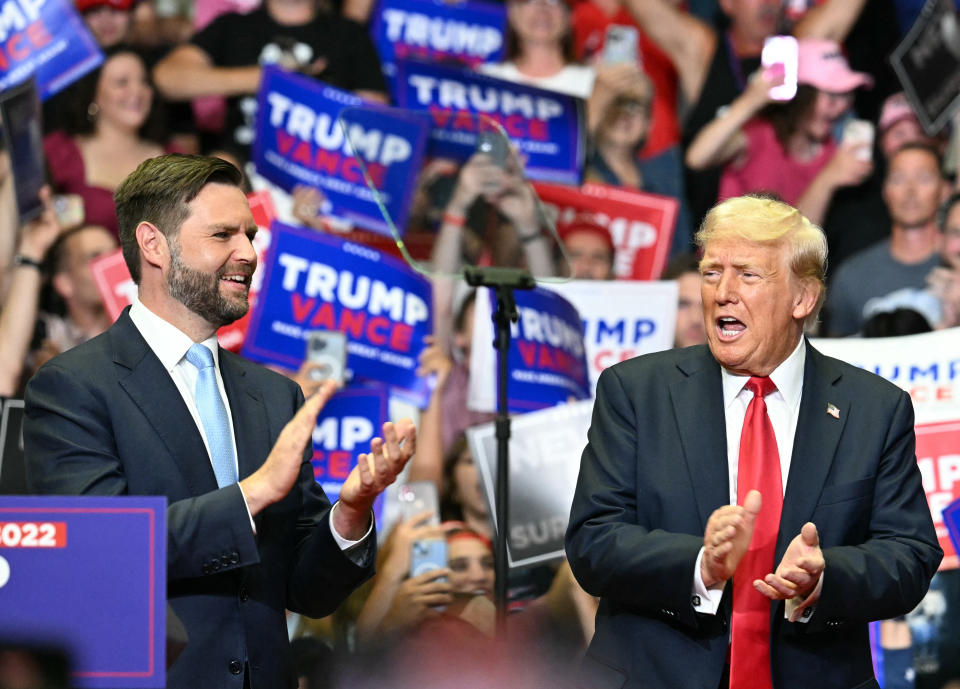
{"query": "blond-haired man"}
{"type": "Point", "coordinates": [744, 508]}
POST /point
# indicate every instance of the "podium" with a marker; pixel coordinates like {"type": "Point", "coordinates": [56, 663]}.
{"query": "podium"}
{"type": "Point", "coordinates": [87, 575]}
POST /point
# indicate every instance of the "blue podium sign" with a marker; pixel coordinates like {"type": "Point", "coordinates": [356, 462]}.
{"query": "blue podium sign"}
{"type": "Point", "coordinates": [88, 575]}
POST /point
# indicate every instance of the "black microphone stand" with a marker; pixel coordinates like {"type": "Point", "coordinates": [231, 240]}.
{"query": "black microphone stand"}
{"type": "Point", "coordinates": [503, 281]}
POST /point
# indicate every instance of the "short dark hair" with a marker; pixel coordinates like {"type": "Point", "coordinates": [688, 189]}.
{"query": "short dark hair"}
{"type": "Point", "coordinates": [158, 192]}
{"type": "Point", "coordinates": [680, 265]}
{"type": "Point", "coordinates": [918, 146]}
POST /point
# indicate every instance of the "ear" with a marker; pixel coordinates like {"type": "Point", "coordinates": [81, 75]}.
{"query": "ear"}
{"type": "Point", "coordinates": [62, 285]}
{"type": "Point", "coordinates": [805, 298]}
{"type": "Point", "coordinates": [154, 250]}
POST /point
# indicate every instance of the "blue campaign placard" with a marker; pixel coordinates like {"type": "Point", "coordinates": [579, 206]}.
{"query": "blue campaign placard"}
{"type": "Point", "coordinates": [951, 518]}
{"type": "Point", "coordinates": [346, 425]}
{"type": "Point", "coordinates": [546, 127]}
{"type": "Point", "coordinates": [88, 575]}
{"type": "Point", "coordinates": [314, 281]}
{"type": "Point", "coordinates": [47, 39]}
{"type": "Point", "coordinates": [300, 140]}
{"type": "Point", "coordinates": [547, 360]}
{"type": "Point", "coordinates": [468, 33]}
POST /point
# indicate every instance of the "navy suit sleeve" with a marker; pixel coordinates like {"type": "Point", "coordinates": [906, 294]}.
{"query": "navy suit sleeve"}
{"type": "Point", "coordinates": [612, 551]}
{"type": "Point", "coordinates": [888, 574]}
{"type": "Point", "coordinates": [70, 450]}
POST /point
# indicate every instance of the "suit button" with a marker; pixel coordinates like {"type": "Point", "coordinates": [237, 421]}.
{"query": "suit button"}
{"type": "Point", "coordinates": [244, 595]}
{"type": "Point", "coordinates": [234, 558]}
{"type": "Point", "coordinates": [225, 561]}
{"type": "Point", "coordinates": [205, 568]}
{"type": "Point", "coordinates": [236, 667]}
{"type": "Point", "coordinates": [695, 600]}
{"type": "Point", "coordinates": [214, 564]}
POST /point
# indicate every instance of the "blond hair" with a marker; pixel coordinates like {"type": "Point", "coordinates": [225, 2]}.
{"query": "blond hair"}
{"type": "Point", "coordinates": [763, 219]}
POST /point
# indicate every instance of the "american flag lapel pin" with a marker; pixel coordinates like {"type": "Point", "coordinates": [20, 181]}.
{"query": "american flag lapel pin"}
{"type": "Point", "coordinates": [833, 411]}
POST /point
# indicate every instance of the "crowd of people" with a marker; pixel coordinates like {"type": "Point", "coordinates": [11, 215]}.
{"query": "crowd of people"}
{"type": "Point", "coordinates": [691, 117]}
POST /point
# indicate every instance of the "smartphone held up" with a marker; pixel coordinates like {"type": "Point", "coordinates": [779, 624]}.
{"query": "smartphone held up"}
{"type": "Point", "coordinates": [785, 51]}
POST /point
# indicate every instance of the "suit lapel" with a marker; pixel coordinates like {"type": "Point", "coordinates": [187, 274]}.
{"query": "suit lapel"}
{"type": "Point", "coordinates": [815, 444]}
{"type": "Point", "coordinates": [150, 387]}
{"type": "Point", "coordinates": [249, 415]}
{"type": "Point", "coordinates": [698, 407]}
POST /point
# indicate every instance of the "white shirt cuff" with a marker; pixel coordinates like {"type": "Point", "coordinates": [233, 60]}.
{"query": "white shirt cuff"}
{"type": "Point", "coordinates": [253, 526]}
{"type": "Point", "coordinates": [704, 600]}
{"type": "Point", "coordinates": [346, 543]}
{"type": "Point", "coordinates": [797, 610]}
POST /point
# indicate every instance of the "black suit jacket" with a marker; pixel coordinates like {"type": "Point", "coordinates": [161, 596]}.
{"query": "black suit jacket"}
{"type": "Point", "coordinates": [654, 470]}
{"type": "Point", "coordinates": [106, 418]}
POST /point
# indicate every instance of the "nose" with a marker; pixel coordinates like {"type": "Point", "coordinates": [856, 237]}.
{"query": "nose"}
{"type": "Point", "coordinates": [244, 251]}
{"type": "Point", "coordinates": [726, 288]}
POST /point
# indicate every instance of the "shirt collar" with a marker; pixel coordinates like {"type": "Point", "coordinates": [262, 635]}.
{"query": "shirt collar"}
{"type": "Point", "coordinates": [788, 377]}
{"type": "Point", "coordinates": [167, 341]}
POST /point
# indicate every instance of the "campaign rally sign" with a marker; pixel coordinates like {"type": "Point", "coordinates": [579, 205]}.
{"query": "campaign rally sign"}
{"type": "Point", "coordinates": [927, 63]}
{"type": "Point", "coordinates": [545, 449]}
{"type": "Point", "coordinates": [117, 288]}
{"type": "Point", "coordinates": [545, 126]}
{"type": "Point", "coordinates": [547, 360]}
{"type": "Point", "coordinates": [301, 140]}
{"type": "Point", "coordinates": [467, 33]}
{"type": "Point", "coordinates": [928, 367]}
{"type": "Point", "coordinates": [346, 425]}
{"type": "Point", "coordinates": [47, 39]}
{"type": "Point", "coordinates": [88, 575]}
{"type": "Point", "coordinates": [622, 318]}
{"type": "Point", "coordinates": [641, 224]}
{"type": "Point", "coordinates": [951, 517]}
{"type": "Point", "coordinates": [313, 281]}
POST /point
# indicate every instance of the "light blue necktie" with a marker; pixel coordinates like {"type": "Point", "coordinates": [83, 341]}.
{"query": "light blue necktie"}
{"type": "Point", "coordinates": [213, 415]}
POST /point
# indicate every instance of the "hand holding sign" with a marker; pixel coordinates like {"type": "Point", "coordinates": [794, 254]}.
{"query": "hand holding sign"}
{"type": "Point", "coordinates": [373, 473]}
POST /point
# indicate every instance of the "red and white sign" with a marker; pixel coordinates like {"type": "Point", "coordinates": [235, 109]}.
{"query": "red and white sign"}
{"type": "Point", "coordinates": [33, 535]}
{"type": "Point", "coordinates": [641, 224]}
{"type": "Point", "coordinates": [117, 288]}
{"type": "Point", "coordinates": [928, 368]}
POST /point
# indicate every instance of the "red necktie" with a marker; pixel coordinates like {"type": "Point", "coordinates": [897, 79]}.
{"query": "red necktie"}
{"type": "Point", "coordinates": [759, 468]}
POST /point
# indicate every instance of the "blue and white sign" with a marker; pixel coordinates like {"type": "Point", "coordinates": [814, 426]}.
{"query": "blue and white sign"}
{"type": "Point", "coordinates": [300, 140]}
{"type": "Point", "coordinates": [545, 126]}
{"type": "Point", "coordinates": [346, 425]}
{"type": "Point", "coordinates": [547, 360]}
{"type": "Point", "coordinates": [468, 33]}
{"type": "Point", "coordinates": [313, 281]}
{"type": "Point", "coordinates": [47, 39]}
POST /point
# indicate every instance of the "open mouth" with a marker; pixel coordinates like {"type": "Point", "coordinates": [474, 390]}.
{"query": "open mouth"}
{"type": "Point", "coordinates": [730, 328]}
{"type": "Point", "coordinates": [236, 282]}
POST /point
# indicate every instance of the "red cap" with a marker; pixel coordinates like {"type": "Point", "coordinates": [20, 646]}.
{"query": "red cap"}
{"type": "Point", "coordinates": [84, 5]}
{"type": "Point", "coordinates": [586, 222]}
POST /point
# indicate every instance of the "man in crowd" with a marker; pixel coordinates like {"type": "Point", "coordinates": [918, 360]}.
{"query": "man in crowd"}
{"type": "Point", "coordinates": [912, 190]}
{"type": "Point", "coordinates": [155, 407]}
{"type": "Point", "coordinates": [705, 528]}
{"type": "Point", "coordinates": [226, 59]}
{"type": "Point", "coordinates": [685, 269]}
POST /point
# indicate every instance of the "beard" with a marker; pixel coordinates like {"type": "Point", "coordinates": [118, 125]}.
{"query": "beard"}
{"type": "Point", "coordinates": [200, 292]}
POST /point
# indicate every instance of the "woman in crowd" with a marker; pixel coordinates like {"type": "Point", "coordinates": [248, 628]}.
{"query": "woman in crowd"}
{"type": "Point", "coordinates": [788, 148]}
{"type": "Point", "coordinates": [108, 132]}
{"type": "Point", "coordinates": [620, 132]}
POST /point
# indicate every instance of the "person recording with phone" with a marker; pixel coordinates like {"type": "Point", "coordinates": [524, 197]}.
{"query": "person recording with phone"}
{"type": "Point", "coordinates": [757, 136]}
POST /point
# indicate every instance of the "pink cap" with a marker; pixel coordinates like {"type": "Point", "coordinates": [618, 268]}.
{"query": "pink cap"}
{"type": "Point", "coordinates": [823, 65]}
{"type": "Point", "coordinates": [895, 108]}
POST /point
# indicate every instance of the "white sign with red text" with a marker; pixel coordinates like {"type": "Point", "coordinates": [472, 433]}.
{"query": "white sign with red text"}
{"type": "Point", "coordinates": [928, 367]}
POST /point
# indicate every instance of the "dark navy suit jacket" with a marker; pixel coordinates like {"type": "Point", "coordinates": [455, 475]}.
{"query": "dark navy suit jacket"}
{"type": "Point", "coordinates": [654, 470]}
{"type": "Point", "coordinates": [105, 418]}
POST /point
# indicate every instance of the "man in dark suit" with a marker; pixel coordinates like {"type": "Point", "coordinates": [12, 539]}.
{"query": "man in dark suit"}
{"type": "Point", "coordinates": [825, 529]}
{"type": "Point", "coordinates": [155, 407]}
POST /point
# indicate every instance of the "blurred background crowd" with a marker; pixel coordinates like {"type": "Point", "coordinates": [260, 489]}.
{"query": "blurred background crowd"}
{"type": "Point", "coordinates": [690, 118]}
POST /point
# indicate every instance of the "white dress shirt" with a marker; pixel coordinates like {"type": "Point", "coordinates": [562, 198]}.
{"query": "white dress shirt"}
{"type": "Point", "coordinates": [170, 344]}
{"type": "Point", "coordinates": [783, 409]}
